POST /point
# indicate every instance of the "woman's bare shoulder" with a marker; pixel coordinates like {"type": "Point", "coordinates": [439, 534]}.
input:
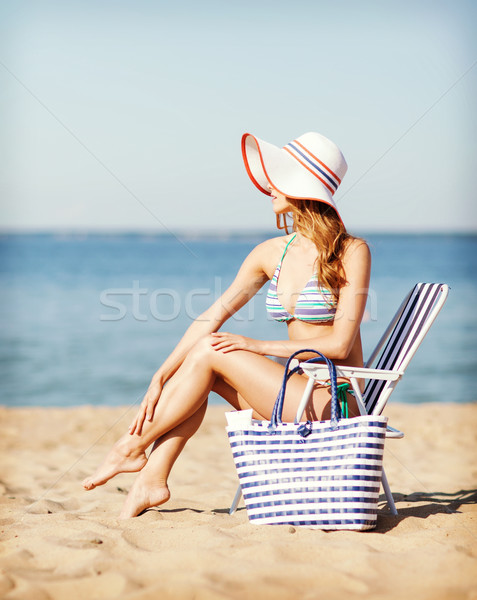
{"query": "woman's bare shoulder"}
{"type": "Point", "coordinates": [268, 253]}
{"type": "Point", "coordinates": [355, 245]}
{"type": "Point", "coordinates": [356, 255]}
{"type": "Point", "coordinates": [273, 246]}
{"type": "Point", "coordinates": [275, 243]}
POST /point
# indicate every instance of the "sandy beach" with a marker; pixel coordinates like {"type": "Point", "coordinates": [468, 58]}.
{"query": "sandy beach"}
{"type": "Point", "coordinates": [61, 542]}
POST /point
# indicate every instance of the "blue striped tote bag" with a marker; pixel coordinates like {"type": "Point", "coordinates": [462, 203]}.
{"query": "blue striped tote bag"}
{"type": "Point", "coordinates": [320, 474]}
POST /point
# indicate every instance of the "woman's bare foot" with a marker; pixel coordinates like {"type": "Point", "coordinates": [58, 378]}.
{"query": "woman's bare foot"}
{"type": "Point", "coordinates": [121, 459]}
{"type": "Point", "coordinates": [144, 495]}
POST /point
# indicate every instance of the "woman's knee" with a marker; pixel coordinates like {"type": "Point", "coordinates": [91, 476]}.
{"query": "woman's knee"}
{"type": "Point", "coordinates": [202, 351]}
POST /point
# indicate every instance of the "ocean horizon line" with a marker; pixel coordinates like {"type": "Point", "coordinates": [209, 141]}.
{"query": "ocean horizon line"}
{"type": "Point", "coordinates": [200, 234]}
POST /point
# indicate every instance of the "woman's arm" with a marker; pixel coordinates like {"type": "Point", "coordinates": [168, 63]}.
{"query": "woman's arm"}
{"type": "Point", "coordinates": [250, 278]}
{"type": "Point", "coordinates": [338, 342]}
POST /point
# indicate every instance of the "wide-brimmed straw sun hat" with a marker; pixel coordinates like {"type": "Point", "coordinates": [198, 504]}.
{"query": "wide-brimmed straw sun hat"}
{"type": "Point", "coordinates": [310, 167]}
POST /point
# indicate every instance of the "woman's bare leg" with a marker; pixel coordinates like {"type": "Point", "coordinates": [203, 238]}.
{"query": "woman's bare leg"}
{"type": "Point", "coordinates": [151, 488]}
{"type": "Point", "coordinates": [128, 455]}
{"type": "Point", "coordinates": [255, 378]}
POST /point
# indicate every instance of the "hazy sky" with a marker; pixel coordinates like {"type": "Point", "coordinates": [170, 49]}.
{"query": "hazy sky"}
{"type": "Point", "coordinates": [128, 115]}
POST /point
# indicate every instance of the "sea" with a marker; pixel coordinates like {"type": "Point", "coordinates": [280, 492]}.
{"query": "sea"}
{"type": "Point", "coordinates": [88, 318]}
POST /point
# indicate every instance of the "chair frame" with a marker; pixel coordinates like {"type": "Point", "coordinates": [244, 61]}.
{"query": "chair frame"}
{"type": "Point", "coordinates": [429, 299]}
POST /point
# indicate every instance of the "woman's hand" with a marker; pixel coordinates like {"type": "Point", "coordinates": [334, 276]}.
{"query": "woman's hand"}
{"type": "Point", "coordinates": [228, 342]}
{"type": "Point", "coordinates": [148, 405]}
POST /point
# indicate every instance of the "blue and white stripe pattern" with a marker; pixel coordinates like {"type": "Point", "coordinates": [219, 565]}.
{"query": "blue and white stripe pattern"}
{"type": "Point", "coordinates": [327, 480]}
{"type": "Point", "coordinates": [417, 309]}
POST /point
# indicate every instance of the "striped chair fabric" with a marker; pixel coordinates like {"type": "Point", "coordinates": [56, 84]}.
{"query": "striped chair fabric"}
{"type": "Point", "coordinates": [412, 321]}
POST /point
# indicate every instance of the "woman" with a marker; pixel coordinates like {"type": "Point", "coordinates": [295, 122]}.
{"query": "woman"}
{"type": "Point", "coordinates": [319, 284]}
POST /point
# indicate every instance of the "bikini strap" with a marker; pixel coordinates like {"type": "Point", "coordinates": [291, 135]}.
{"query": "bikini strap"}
{"type": "Point", "coordinates": [286, 248]}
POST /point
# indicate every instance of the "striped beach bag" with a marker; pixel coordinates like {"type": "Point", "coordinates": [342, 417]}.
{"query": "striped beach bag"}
{"type": "Point", "coordinates": [320, 474]}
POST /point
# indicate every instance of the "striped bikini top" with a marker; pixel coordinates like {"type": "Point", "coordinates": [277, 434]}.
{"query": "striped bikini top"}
{"type": "Point", "coordinates": [315, 304]}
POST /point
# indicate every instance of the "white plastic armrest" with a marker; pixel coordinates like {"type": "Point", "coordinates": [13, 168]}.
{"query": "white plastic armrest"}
{"type": "Point", "coordinates": [396, 434]}
{"type": "Point", "coordinates": [317, 371]}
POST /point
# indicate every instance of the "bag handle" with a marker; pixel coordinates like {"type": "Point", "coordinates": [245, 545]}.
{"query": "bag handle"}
{"type": "Point", "coordinates": [276, 418]}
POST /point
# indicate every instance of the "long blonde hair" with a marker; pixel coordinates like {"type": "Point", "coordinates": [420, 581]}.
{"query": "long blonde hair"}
{"type": "Point", "coordinates": [320, 223]}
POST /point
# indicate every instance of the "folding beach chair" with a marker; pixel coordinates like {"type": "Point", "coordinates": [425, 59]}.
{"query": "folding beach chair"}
{"type": "Point", "coordinates": [401, 339]}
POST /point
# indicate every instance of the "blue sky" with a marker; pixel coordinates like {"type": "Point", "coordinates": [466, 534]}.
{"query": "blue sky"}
{"type": "Point", "coordinates": [128, 115]}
